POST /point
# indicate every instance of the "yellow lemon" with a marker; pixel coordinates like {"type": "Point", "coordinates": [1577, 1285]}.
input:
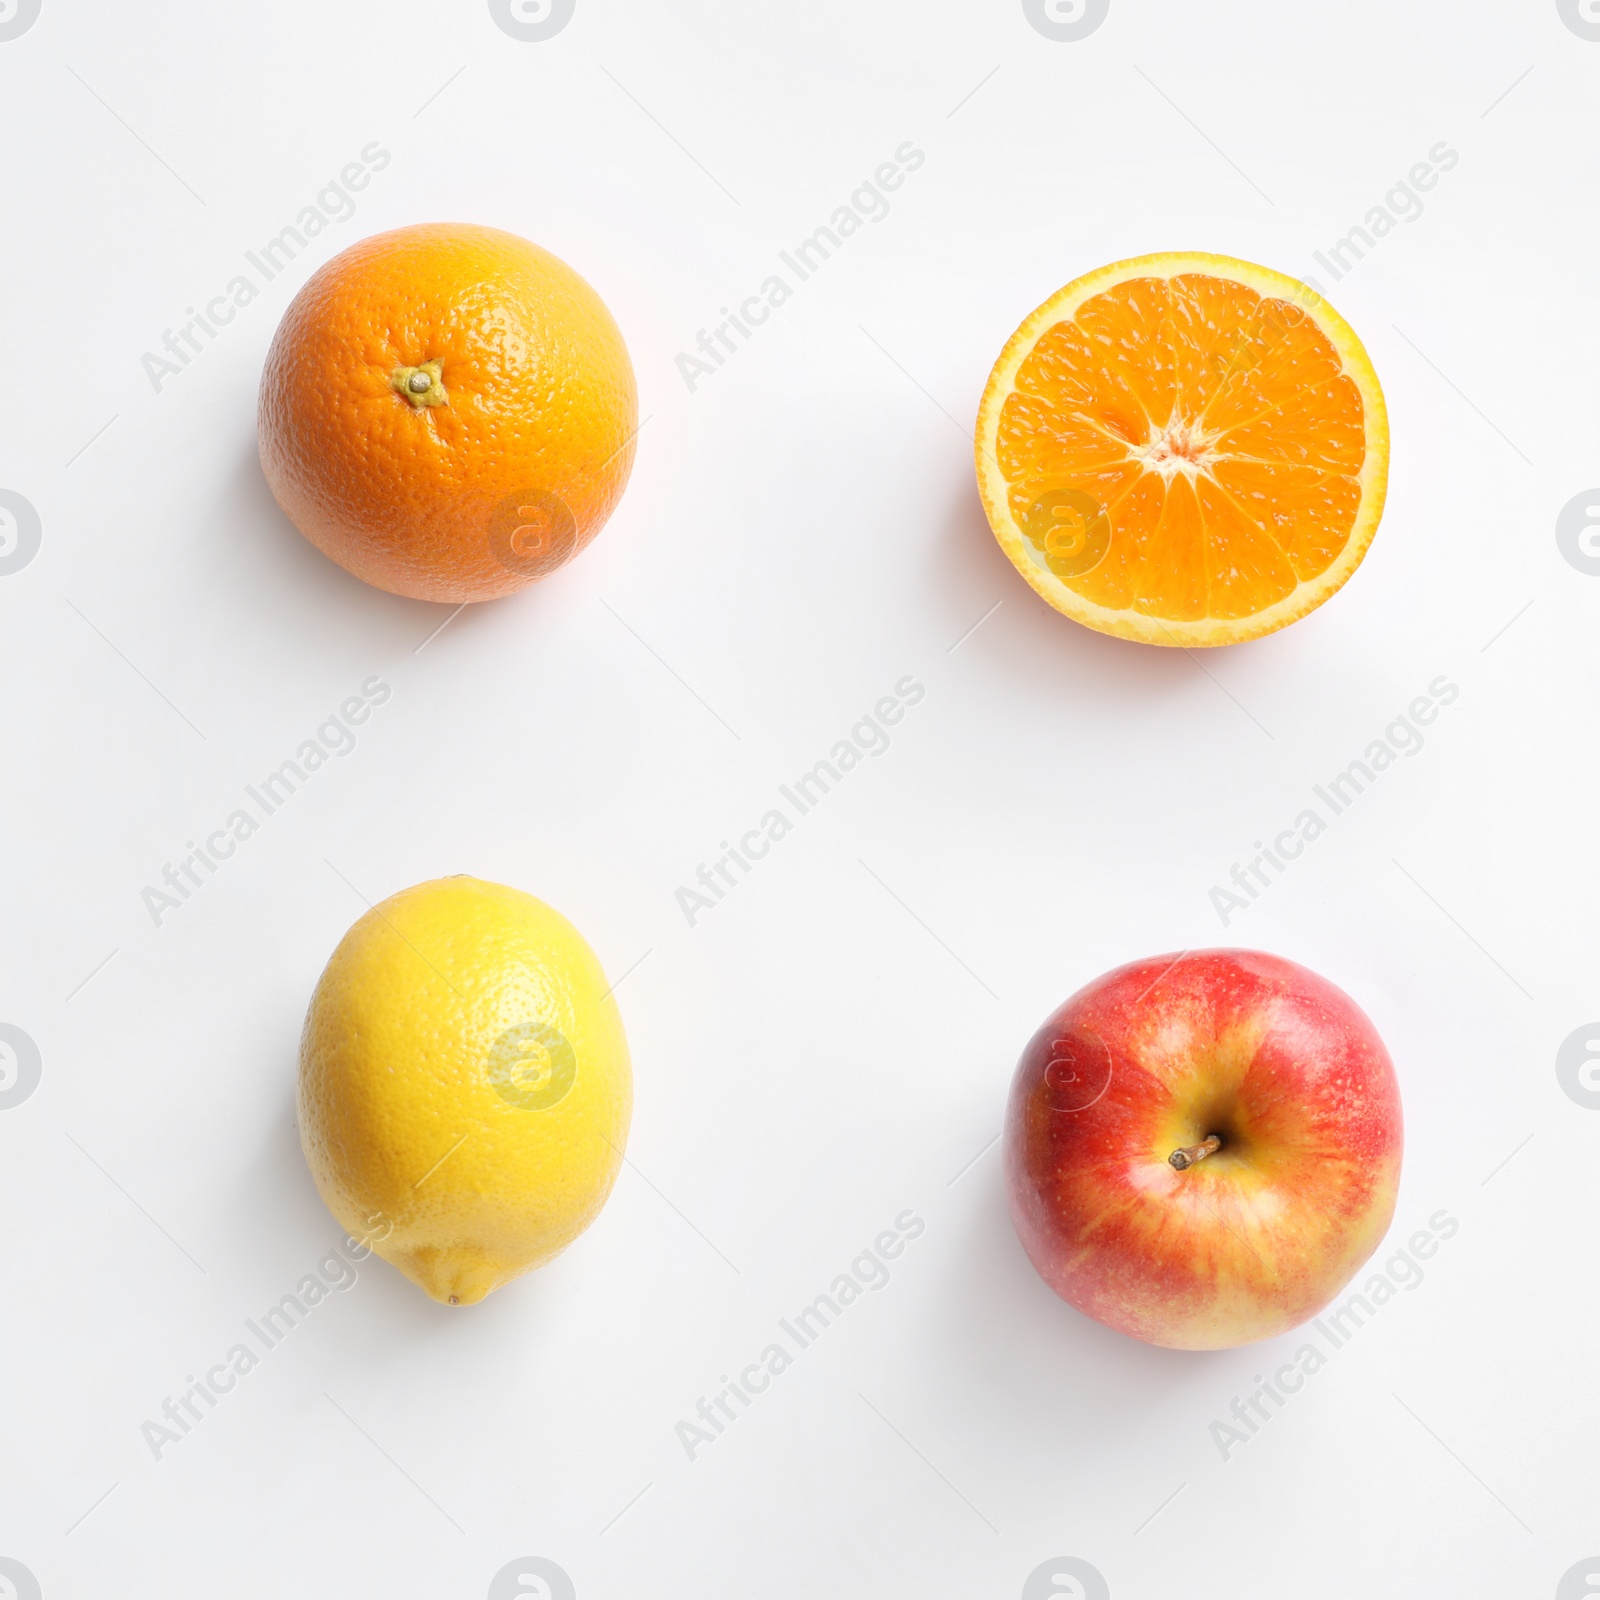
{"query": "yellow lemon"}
{"type": "Point", "coordinates": [465, 1089]}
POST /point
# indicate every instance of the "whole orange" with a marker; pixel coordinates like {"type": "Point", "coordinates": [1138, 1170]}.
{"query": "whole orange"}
{"type": "Point", "coordinates": [448, 412]}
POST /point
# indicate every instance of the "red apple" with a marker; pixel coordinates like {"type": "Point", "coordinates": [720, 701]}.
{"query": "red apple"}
{"type": "Point", "coordinates": [1201, 1150]}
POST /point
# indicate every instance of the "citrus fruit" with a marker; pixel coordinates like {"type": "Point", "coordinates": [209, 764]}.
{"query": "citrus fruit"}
{"type": "Point", "coordinates": [464, 1090]}
{"type": "Point", "coordinates": [1184, 449]}
{"type": "Point", "coordinates": [448, 412]}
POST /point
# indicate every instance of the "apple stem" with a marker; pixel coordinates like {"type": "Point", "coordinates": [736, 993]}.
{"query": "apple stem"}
{"type": "Point", "coordinates": [1187, 1155]}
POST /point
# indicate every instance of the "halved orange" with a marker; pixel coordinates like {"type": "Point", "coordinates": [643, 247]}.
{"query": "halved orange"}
{"type": "Point", "coordinates": [1184, 449]}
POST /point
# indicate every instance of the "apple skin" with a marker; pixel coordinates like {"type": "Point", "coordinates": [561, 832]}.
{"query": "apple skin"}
{"type": "Point", "coordinates": [1250, 1241]}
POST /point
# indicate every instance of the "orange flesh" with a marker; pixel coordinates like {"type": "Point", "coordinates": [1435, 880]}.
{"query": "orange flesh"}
{"type": "Point", "coordinates": [1218, 430]}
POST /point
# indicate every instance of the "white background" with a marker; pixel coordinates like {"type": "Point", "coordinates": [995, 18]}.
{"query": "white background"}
{"type": "Point", "coordinates": [832, 1044]}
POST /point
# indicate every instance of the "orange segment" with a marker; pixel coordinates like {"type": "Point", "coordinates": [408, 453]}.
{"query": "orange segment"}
{"type": "Point", "coordinates": [1184, 449]}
